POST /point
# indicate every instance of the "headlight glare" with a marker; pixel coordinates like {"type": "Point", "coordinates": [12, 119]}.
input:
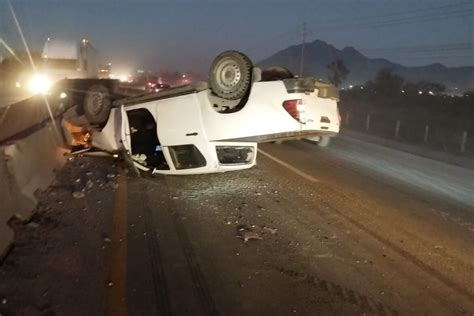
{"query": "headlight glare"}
{"type": "Point", "coordinates": [39, 84]}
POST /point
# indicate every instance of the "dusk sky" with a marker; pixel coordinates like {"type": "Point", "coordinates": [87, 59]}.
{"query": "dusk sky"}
{"type": "Point", "coordinates": [186, 35]}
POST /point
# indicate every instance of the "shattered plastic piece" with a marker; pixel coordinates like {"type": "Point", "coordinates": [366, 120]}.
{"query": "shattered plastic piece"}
{"type": "Point", "coordinates": [110, 176]}
{"type": "Point", "coordinates": [4, 301]}
{"type": "Point", "coordinates": [89, 184]}
{"type": "Point", "coordinates": [246, 233]}
{"type": "Point", "coordinates": [273, 231]}
{"type": "Point", "coordinates": [106, 239]}
{"type": "Point", "coordinates": [141, 158]}
{"type": "Point", "coordinates": [114, 185]}
{"type": "Point", "coordinates": [78, 194]}
{"type": "Point", "coordinates": [33, 225]}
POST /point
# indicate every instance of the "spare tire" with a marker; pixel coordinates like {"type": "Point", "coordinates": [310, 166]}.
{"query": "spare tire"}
{"type": "Point", "coordinates": [230, 75]}
{"type": "Point", "coordinates": [97, 104]}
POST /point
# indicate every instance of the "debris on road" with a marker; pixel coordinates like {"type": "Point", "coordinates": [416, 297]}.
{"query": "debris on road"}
{"type": "Point", "coordinates": [114, 185]}
{"type": "Point", "coordinates": [89, 184]}
{"type": "Point", "coordinates": [32, 225]}
{"type": "Point", "coordinates": [78, 194]}
{"type": "Point", "coordinates": [245, 233]}
{"type": "Point", "coordinates": [273, 231]}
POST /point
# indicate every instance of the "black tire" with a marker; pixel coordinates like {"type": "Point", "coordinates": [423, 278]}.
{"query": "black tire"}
{"type": "Point", "coordinates": [97, 104]}
{"type": "Point", "coordinates": [230, 75]}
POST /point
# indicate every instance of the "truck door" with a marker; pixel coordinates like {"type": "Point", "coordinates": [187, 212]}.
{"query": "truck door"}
{"type": "Point", "coordinates": [181, 131]}
{"type": "Point", "coordinates": [125, 131]}
{"type": "Point", "coordinates": [140, 137]}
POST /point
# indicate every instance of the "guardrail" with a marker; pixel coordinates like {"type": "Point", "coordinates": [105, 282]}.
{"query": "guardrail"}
{"type": "Point", "coordinates": [432, 134]}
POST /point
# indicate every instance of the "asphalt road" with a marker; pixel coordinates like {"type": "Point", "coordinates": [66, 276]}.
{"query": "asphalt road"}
{"type": "Point", "coordinates": [350, 229]}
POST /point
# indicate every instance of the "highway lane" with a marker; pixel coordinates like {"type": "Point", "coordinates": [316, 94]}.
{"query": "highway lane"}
{"type": "Point", "coordinates": [340, 235]}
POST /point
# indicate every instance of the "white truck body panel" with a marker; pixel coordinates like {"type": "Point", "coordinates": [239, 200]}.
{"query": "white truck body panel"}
{"type": "Point", "coordinates": [191, 119]}
{"type": "Point", "coordinates": [264, 115]}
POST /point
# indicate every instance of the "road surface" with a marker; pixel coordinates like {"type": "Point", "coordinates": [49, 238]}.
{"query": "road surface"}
{"type": "Point", "coordinates": [350, 229]}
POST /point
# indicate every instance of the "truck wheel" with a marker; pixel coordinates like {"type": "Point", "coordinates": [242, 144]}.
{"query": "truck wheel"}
{"type": "Point", "coordinates": [230, 74]}
{"type": "Point", "coordinates": [97, 104]}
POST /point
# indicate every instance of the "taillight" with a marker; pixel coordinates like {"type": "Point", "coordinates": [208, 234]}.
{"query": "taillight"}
{"type": "Point", "coordinates": [296, 109]}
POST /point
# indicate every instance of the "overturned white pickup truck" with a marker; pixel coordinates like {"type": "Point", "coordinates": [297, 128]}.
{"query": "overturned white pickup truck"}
{"type": "Point", "coordinates": [215, 126]}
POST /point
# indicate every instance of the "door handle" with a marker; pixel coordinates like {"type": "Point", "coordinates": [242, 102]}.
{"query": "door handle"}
{"type": "Point", "coordinates": [192, 134]}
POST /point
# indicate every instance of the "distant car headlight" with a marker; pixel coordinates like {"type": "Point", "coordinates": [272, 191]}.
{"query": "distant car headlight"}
{"type": "Point", "coordinates": [39, 84]}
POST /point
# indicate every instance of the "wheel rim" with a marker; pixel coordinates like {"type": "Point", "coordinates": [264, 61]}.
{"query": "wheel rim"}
{"type": "Point", "coordinates": [96, 102]}
{"type": "Point", "coordinates": [228, 74]}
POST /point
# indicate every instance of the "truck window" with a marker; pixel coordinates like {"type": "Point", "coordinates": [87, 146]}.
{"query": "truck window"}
{"type": "Point", "coordinates": [186, 157]}
{"type": "Point", "coordinates": [229, 155]}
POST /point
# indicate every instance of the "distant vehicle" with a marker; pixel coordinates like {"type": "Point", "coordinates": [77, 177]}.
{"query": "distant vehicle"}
{"type": "Point", "coordinates": [62, 59]}
{"type": "Point", "coordinates": [215, 126]}
{"type": "Point", "coordinates": [71, 68]}
{"type": "Point", "coordinates": [157, 86]}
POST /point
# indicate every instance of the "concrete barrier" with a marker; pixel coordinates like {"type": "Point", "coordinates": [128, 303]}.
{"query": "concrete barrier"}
{"type": "Point", "coordinates": [27, 165]}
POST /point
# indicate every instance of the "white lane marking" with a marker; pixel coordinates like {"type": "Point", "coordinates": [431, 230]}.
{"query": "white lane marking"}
{"type": "Point", "coordinates": [289, 167]}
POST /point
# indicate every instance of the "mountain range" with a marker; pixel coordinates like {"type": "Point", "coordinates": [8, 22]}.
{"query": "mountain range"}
{"type": "Point", "coordinates": [319, 54]}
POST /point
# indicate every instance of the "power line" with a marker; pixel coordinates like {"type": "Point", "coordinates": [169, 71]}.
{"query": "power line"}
{"type": "Point", "coordinates": [447, 11]}
{"type": "Point", "coordinates": [401, 13]}
{"type": "Point", "coordinates": [462, 45]}
{"type": "Point", "coordinates": [411, 20]}
{"type": "Point", "coordinates": [426, 18]}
